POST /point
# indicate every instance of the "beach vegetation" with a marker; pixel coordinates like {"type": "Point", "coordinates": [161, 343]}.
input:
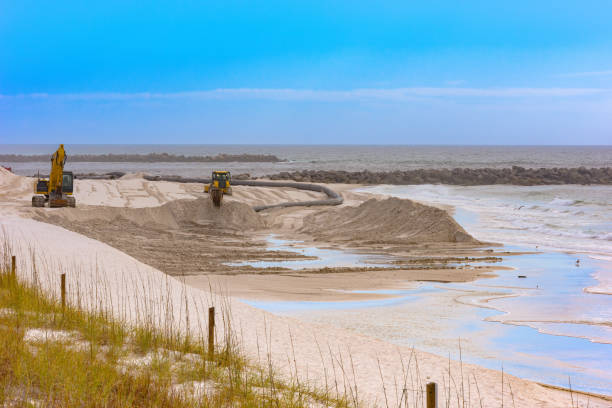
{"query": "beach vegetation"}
{"type": "Point", "coordinates": [64, 356]}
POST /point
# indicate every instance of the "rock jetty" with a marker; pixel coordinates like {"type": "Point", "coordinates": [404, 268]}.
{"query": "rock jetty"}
{"type": "Point", "coordinates": [459, 176]}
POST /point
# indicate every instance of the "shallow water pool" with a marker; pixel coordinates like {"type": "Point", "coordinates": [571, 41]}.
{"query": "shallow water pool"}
{"type": "Point", "coordinates": [534, 327]}
{"type": "Point", "coordinates": [320, 257]}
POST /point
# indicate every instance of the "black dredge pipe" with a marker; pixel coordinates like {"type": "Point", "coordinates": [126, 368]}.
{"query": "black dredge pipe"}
{"type": "Point", "coordinates": [333, 198]}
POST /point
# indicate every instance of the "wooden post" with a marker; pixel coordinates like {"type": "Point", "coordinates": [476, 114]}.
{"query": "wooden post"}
{"type": "Point", "coordinates": [13, 267]}
{"type": "Point", "coordinates": [432, 394]}
{"type": "Point", "coordinates": [211, 332]}
{"type": "Point", "coordinates": [63, 291]}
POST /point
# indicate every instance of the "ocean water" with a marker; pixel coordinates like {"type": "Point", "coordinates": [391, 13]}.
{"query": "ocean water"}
{"type": "Point", "coordinates": [567, 218]}
{"type": "Point", "coordinates": [323, 157]}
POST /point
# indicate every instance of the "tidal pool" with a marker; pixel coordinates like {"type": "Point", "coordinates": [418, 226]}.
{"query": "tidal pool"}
{"type": "Point", "coordinates": [321, 257]}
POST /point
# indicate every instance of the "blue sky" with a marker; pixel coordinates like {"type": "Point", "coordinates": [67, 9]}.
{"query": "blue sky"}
{"type": "Point", "coordinates": [397, 72]}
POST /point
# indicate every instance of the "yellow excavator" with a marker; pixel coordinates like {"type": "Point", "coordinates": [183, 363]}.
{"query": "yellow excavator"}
{"type": "Point", "coordinates": [58, 188]}
{"type": "Point", "coordinates": [219, 185]}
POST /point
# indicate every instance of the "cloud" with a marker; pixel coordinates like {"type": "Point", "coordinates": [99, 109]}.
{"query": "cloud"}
{"type": "Point", "coordinates": [586, 74]}
{"type": "Point", "coordinates": [289, 94]}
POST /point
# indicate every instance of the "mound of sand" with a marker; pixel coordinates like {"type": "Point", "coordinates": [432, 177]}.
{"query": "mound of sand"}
{"type": "Point", "coordinates": [390, 220]}
{"type": "Point", "coordinates": [7, 176]}
{"type": "Point", "coordinates": [14, 187]}
{"type": "Point", "coordinates": [172, 215]}
{"type": "Point", "coordinates": [132, 176]}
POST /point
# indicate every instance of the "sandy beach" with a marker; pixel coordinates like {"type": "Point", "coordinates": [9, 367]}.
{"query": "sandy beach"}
{"type": "Point", "coordinates": [149, 249]}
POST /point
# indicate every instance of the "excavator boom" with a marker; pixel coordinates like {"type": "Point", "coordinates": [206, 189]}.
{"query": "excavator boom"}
{"type": "Point", "coordinates": [58, 159]}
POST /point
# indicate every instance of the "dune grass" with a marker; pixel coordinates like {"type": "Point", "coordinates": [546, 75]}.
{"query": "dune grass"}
{"type": "Point", "coordinates": [68, 357]}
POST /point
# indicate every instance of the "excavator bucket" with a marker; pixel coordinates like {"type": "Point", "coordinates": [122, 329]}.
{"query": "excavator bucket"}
{"type": "Point", "coordinates": [57, 202]}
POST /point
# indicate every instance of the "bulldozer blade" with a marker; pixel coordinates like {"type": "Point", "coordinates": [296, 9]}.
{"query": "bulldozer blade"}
{"type": "Point", "coordinates": [217, 196]}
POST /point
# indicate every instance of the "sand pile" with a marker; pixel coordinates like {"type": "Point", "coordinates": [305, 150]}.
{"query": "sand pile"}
{"type": "Point", "coordinates": [132, 176]}
{"type": "Point", "coordinates": [390, 220]}
{"type": "Point", "coordinates": [181, 237]}
{"type": "Point", "coordinates": [7, 177]}
{"type": "Point", "coordinates": [14, 187]}
{"type": "Point", "coordinates": [172, 215]}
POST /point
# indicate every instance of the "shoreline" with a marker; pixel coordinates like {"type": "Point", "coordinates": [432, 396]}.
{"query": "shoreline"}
{"type": "Point", "coordinates": [492, 221]}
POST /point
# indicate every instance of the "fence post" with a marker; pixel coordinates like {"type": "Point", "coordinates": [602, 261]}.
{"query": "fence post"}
{"type": "Point", "coordinates": [211, 332]}
{"type": "Point", "coordinates": [63, 291]}
{"type": "Point", "coordinates": [432, 395]}
{"type": "Point", "coordinates": [13, 267]}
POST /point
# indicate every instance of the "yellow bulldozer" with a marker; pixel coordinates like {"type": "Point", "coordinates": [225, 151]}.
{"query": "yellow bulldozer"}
{"type": "Point", "coordinates": [58, 188]}
{"type": "Point", "coordinates": [220, 184]}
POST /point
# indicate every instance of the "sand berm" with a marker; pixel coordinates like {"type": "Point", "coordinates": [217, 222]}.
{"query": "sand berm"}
{"type": "Point", "coordinates": [390, 220]}
{"type": "Point", "coordinates": [232, 215]}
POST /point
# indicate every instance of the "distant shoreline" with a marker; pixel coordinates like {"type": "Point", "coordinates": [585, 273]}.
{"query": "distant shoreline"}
{"type": "Point", "coordinates": [145, 158]}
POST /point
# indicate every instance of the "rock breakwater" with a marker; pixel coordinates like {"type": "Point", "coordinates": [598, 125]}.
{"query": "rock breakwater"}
{"type": "Point", "coordinates": [460, 176]}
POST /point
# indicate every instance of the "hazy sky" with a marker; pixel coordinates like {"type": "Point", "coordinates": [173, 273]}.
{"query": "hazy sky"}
{"type": "Point", "coordinates": [428, 72]}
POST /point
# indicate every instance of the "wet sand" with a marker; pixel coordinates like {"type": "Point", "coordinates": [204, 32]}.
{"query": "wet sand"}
{"type": "Point", "coordinates": [332, 286]}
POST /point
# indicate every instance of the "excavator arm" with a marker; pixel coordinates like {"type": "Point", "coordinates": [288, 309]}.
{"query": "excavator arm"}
{"type": "Point", "coordinates": [58, 159]}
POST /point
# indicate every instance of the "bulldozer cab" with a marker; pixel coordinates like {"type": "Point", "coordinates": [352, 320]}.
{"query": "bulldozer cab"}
{"type": "Point", "coordinates": [220, 184]}
{"type": "Point", "coordinates": [221, 179]}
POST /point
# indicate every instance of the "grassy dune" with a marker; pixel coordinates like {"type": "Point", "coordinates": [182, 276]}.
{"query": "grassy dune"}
{"type": "Point", "coordinates": [67, 357]}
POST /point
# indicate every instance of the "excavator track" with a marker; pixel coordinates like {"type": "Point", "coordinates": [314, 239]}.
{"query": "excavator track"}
{"type": "Point", "coordinates": [71, 201]}
{"type": "Point", "coordinates": [38, 201]}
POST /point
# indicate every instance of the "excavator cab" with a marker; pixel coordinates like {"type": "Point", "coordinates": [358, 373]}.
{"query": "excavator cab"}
{"type": "Point", "coordinates": [42, 185]}
{"type": "Point", "coordinates": [67, 183]}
